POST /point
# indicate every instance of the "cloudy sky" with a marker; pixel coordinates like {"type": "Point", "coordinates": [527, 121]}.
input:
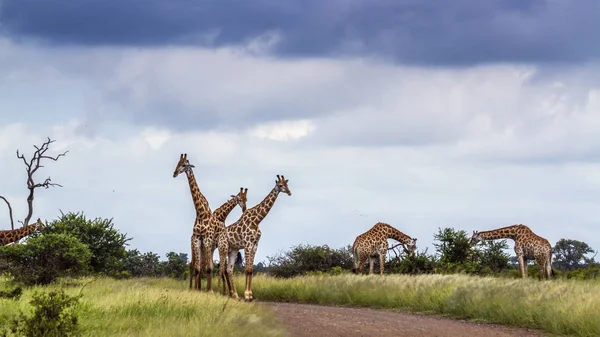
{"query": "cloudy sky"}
{"type": "Point", "coordinates": [471, 114]}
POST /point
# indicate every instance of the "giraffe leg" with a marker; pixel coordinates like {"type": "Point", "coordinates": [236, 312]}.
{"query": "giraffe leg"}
{"type": "Point", "coordinates": [522, 266]}
{"type": "Point", "coordinates": [209, 268]}
{"type": "Point", "coordinates": [248, 270]}
{"type": "Point", "coordinates": [192, 262]}
{"type": "Point", "coordinates": [361, 265]}
{"type": "Point", "coordinates": [223, 249]}
{"type": "Point", "coordinates": [198, 264]}
{"type": "Point", "coordinates": [371, 265]}
{"type": "Point", "coordinates": [230, 281]}
{"type": "Point", "coordinates": [381, 263]}
{"type": "Point", "coordinates": [542, 268]}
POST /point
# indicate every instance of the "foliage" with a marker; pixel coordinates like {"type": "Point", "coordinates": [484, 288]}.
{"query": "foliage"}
{"type": "Point", "coordinates": [417, 263]}
{"type": "Point", "coordinates": [571, 254]}
{"type": "Point", "coordinates": [45, 258]}
{"type": "Point", "coordinates": [176, 266]}
{"type": "Point", "coordinates": [149, 265]}
{"type": "Point", "coordinates": [106, 243]}
{"type": "Point", "coordinates": [53, 315]}
{"type": "Point", "coordinates": [492, 257]}
{"type": "Point", "coordinates": [454, 250]}
{"type": "Point", "coordinates": [302, 259]}
{"type": "Point", "coordinates": [14, 294]}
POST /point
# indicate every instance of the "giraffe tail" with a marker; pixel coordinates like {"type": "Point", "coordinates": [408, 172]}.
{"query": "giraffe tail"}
{"type": "Point", "coordinates": [238, 259]}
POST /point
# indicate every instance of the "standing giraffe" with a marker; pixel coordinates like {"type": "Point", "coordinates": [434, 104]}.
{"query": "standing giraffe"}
{"type": "Point", "coordinates": [14, 235]}
{"type": "Point", "coordinates": [374, 242]}
{"type": "Point", "coordinates": [206, 227]}
{"type": "Point", "coordinates": [245, 234]}
{"type": "Point", "coordinates": [220, 214]}
{"type": "Point", "coordinates": [528, 246]}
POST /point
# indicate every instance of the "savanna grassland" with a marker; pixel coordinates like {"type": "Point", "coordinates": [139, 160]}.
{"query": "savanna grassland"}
{"type": "Point", "coordinates": [161, 306]}
{"type": "Point", "coordinates": [151, 307]}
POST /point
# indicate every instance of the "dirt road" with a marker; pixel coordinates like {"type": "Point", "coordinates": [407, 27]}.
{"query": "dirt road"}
{"type": "Point", "coordinates": [306, 320]}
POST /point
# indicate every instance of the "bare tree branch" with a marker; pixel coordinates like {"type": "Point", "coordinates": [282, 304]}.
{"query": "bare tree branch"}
{"type": "Point", "coordinates": [31, 166]}
{"type": "Point", "coordinates": [399, 244]}
{"type": "Point", "coordinates": [12, 223]}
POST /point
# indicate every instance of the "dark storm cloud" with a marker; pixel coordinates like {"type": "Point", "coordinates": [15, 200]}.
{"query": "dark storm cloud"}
{"type": "Point", "coordinates": [435, 32]}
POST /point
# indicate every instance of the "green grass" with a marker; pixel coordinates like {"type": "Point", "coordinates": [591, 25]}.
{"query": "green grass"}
{"type": "Point", "coordinates": [153, 307]}
{"type": "Point", "coordinates": [557, 306]}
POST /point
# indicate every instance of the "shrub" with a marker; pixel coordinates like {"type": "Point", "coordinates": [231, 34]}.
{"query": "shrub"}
{"type": "Point", "coordinates": [303, 259]}
{"type": "Point", "coordinates": [53, 315]}
{"type": "Point", "coordinates": [44, 258]}
{"type": "Point", "coordinates": [105, 242]}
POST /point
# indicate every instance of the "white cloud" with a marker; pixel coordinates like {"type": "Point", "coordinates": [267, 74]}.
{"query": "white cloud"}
{"type": "Point", "coordinates": [283, 131]}
{"type": "Point", "coordinates": [360, 141]}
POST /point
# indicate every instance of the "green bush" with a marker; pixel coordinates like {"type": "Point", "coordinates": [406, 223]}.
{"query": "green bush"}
{"type": "Point", "coordinates": [303, 259]}
{"type": "Point", "coordinates": [105, 242]}
{"type": "Point", "coordinates": [44, 258]}
{"type": "Point", "coordinates": [53, 315]}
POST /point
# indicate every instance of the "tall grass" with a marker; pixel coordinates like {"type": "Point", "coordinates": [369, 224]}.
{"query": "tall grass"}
{"type": "Point", "coordinates": [153, 307]}
{"type": "Point", "coordinates": [557, 306]}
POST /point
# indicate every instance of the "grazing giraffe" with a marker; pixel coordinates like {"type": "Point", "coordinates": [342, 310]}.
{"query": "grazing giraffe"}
{"type": "Point", "coordinates": [14, 235]}
{"type": "Point", "coordinates": [374, 242]}
{"type": "Point", "coordinates": [206, 227]}
{"type": "Point", "coordinates": [245, 234]}
{"type": "Point", "coordinates": [528, 246]}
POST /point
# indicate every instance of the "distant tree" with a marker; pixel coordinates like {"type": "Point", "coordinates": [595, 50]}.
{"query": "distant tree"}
{"type": "Point", "coordinates": [142, 265]}
{"type": "Point", "coordinates": [176, 265]}
{"type": "Point", "coordinates": [106, 243]}
{"type": "Point", "coordinates": [571, 254]}
{"type": "Point", "coordinates": [31, 166]}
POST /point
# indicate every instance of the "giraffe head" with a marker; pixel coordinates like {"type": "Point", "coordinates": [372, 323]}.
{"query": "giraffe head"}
{"type": "Point", "coordinates": [241, 198]}
{"type": "Point", "coordinates": [183, 165]}
{"type": "Point", "coordinates": [281, 184]}
{"type": "Point", "coordinates": [475, 238]}
{"type": "Point", "coordinates": [411, 245]}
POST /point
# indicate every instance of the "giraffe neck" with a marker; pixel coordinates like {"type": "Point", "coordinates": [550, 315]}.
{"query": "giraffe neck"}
{"type": "Point", "coordinates": [261, 210]}
{"type": "Point", "coordinates": [509, 232]}
{"type": "Point", "coordinates": [202, 207]}
{"type": "Point", "coordinates": [14, 235]}
{"type": "Point", "coordinates": [393, 233]}
{"type": "Point", "coordinates": [223, 211]}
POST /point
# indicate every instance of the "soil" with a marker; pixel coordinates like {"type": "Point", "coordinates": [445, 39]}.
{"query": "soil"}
{"type": "Point", "coordinates": [307, 320]}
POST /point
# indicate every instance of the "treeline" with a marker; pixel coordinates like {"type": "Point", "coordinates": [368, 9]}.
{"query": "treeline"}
{"type": "Point", "coordinates": [453, 254]}
{"type": "Point", "coordinates": [74, 245]}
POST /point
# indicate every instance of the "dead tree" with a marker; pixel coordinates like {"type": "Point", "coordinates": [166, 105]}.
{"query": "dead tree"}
{"type": "Point", "coordinates": [31, 166]}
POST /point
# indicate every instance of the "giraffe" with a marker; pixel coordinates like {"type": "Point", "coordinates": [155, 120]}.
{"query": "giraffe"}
{"type": "Point", "coordinates": [221, 214]}
{"type": "Point", "coordinates": [245, 234]}
{"type": "Point", "coordinates": [528, 246]}
{"type": "Point", "coordinates": [374, 242]}
{"type": "Point", "coordinates": [206, 227]}
{"type": "Point", "coordinates": [14, 235]}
